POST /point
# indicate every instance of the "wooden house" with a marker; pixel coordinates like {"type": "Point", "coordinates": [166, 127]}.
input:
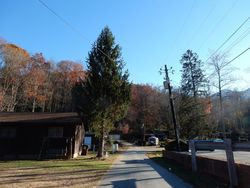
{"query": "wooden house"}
{"type": "Point", "coordinates": [40, 135]}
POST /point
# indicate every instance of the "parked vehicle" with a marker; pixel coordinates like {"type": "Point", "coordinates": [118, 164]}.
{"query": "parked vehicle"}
{"type": "Point", "coordinates": [207, 148]}
{"type": "Point", "coordinates": [153, 141]}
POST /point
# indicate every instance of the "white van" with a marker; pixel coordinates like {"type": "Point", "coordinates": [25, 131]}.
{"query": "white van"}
{"type": "Point", "coordinates": [153, 141]}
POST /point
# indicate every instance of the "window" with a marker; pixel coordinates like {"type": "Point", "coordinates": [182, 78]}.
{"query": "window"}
{"type": "Point", "coordinates": [55, 132]}
{"type": "Point", "coordinates": [7, 132]}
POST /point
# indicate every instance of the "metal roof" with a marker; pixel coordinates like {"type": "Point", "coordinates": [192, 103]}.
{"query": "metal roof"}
{"type": "Point", "coordinates": [38, 117]}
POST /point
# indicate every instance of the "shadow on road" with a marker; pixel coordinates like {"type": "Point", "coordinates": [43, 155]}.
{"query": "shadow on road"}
{"type": "Point", "coordinates": [124, 183]}
{"type": "Point", "coordinates": [170, 178]}
{"type": "Point", "coordinates": [134, 169]}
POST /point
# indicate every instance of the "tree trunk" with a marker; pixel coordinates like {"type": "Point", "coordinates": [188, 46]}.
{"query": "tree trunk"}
{"type": "Point", "coordinates": [25, 104]}
{"type": "Point", "coordinates": [13, 99]}
{"type": "Point", "coordinates": [100, 153]}
{"type": "Point", "coordinates": [43, 107]}
{"type": "Point", "coordinates": [193, 83]}
{"type": "Point", "coordinates": [34, 105]}
{"type": "Point", "coordinates": [221, 108]}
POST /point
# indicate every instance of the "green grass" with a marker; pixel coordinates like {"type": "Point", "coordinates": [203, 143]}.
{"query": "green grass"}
{"type": "Point", "coordinates": [88, 162]}
{"type": "Point", "coordinates": [197, 180]}
{"type": "Point", "coordinates": [84, 171]}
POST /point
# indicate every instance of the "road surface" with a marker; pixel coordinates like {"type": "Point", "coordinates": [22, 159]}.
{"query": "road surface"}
{"type": "Point", "coordinates": [133, 169]}
{"type": "Point", "coordinates": [241, 157]}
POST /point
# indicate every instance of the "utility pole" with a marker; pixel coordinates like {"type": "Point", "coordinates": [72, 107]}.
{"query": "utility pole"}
{"type": "Point", "coordinates": [171, 101]}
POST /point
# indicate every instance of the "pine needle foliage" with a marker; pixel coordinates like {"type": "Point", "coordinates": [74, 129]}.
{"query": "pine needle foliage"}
{"type": "Point", "coordinates": [105, 93]}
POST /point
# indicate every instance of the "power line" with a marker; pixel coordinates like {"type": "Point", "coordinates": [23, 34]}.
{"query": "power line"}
{"type": "Point", "coordinates": [227, 63]}
{"type": "Point", "coordinates": [218, 23]}
{"type": "Point", "coordinates": [238, 40]}
{"type": "Point", "coordinates": [233, 33]}
{"type": "Point", "coordinates": [229, 38]}
{"type": "Point", "coordinates": [201, 25]}
{"type": "Point", "coordinates": [71, 27]}
{"type": "Point", "coordinates": [236, 57]}
{"type": "Point", "coordinates": [182, 27]}
{"type": "Point", "coordinates": [62, 19]}
{"type": "Point", "coordinates": [185, 22]}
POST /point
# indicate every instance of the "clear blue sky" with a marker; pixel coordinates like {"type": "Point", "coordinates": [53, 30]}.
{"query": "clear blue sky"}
{"type": "Point", "coordinates": [151, 32]}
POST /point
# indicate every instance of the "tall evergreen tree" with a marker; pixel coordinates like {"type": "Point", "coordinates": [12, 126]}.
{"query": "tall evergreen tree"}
{"type": "Point", "coordinates": [193, 85]}
{"type": "Point", "coordinates": [104, 96]}
{"type": "Point", "coordinates": [193, 79]}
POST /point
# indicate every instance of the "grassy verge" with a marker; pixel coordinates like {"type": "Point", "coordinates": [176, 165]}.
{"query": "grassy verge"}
{"type": "Point", "coordinates": [84, 171]}
{"type": "Point", "coordinates": [197, 180]}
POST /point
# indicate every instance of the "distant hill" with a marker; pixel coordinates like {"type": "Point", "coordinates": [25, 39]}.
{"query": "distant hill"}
{"type": "Point", "coordinates": [227, 93]}
{"type": "Point", "coordinates": [246, 94]}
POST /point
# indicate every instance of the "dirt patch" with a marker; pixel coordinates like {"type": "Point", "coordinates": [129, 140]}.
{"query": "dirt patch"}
{"type": "Point", "coordinates": [83, 172]}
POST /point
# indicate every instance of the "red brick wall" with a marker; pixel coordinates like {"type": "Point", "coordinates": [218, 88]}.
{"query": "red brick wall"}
{"type": "Point", "coordinates": [216, 168]}
{"type": "Point", "coordinates": [243, 175]}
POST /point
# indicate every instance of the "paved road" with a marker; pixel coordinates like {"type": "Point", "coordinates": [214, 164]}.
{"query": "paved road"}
{"type": "Point", "coordinates": [242, 157]}
{"type": "Point", "coordinates": [133, 169]}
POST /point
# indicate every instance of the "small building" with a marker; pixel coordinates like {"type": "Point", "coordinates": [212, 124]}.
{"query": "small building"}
{"type": "Point", "coordinates": [40, 135]}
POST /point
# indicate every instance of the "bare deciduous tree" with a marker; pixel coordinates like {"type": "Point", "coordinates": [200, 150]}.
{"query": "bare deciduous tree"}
{"type": "Point", "coordinates": [14, 66]}
{"type": "Point", "coordinates": [220, 78]}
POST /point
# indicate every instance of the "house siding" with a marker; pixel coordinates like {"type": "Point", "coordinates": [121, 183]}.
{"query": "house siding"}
{"type": "Point", "coordinates": [31, 140]}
